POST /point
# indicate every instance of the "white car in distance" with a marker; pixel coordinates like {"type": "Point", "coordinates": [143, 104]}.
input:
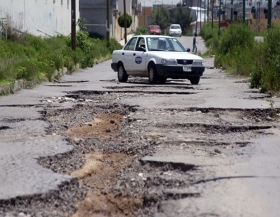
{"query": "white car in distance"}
{"type": "Point", "coordinates": [158, 58]}
{"type": "Point", "coordinates": [175, 30]}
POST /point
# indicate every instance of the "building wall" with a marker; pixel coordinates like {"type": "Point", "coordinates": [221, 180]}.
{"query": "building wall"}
{"type": "Point", "coordinates": [95, 13]}
{"type": "Point", "coordinates": [131, 12]}
{"type": "Point", "coordinates": [128, 4]}
{"type": "Point", "coordinates": [39, 17]}
{"type": "Point", "coordinates": [145, 17]}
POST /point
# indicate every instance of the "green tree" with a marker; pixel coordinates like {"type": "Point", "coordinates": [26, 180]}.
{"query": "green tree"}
{"type": "Point", "coordinates": [181, 16]}
{"type": "Point", "coordinates": [128, 21]}
{"type": "Point", "coordinates": [160, 17]}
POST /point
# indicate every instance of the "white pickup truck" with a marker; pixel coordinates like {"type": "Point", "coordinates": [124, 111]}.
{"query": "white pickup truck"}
{"type": "Point", "coordinates": [158, 58]}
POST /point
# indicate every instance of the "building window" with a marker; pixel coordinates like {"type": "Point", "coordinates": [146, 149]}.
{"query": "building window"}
{"type": "Point", "coordinates": [67, 4]}
{"type": "Point", "coordinates": [61, 2]}
{"type": "Point", "coordinates": [53, 1]}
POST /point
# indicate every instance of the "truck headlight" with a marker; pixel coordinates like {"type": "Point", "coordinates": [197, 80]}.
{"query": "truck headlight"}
{"type": "Point", "coordinates": [169, 61]}
{"type": "Point", "coordinates": [197, 63]}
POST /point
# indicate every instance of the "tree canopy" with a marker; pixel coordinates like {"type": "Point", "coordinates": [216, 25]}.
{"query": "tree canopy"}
{"type": "Point", "coordinates": [160, 17]}
{"type": "Point", "coordinates": [181, 16]}
{"type": "Point", "coordinates": [128, 21]}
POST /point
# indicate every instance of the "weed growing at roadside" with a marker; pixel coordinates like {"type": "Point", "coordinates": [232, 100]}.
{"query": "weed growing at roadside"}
{"type": "Point", "coordinates": [237, 51]}
{"type": "Point", "coordinates": [235, 47]}
{"type": "Point", "coordinates": [141, 30]}
{"type": "Point", "coordinates": [28, 57]}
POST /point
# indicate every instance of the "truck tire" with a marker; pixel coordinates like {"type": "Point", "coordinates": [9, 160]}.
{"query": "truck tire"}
{"type": "Point", "coordinates": [122, 76]}
{"type": "Point", "coordinates": [161, 79]}
{"type": "Point", "coordinates": [153, 76]}
{"type": "Point", "coordinates": [195, 80]}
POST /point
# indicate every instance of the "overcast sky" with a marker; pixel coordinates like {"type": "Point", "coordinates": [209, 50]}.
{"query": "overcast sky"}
{"type": "Point", "coordinates": [151, 2]}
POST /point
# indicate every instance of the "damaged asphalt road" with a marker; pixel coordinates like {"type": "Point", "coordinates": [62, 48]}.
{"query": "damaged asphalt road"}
{"type": "Point", "coordinates": [90, 146]}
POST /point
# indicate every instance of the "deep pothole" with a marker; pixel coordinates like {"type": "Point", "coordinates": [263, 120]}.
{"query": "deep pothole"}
{"type": "Point", "coordinates": [129, 187]}
{"type": "Point", "coordinates": [4, 127]}
{"type": "Point", "coordinates": [213, 129]}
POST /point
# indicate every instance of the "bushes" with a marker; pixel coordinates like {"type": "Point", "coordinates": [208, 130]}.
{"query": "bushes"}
{"type": "Point", "coordinates": [267, 73]}
{"type": "Point", "coordinates": [237, 50]}
{"type": "Point", "coordinates": [210, 36]}
{"type": "Point", "coordinates": [38, 58]}
{"type": "Point", "coordinates": [141, 31]}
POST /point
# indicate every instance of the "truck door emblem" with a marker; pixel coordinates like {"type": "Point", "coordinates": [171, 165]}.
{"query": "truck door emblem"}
{"type": "Point", "coordinates": [138, 60]}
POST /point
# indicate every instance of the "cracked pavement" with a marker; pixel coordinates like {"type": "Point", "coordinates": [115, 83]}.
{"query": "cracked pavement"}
{"type": "Point", "coordinates": [168, 150]}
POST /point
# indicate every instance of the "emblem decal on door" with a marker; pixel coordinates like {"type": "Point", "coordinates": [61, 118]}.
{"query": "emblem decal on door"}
{"type": "Point", "coordinates": [138, 60]}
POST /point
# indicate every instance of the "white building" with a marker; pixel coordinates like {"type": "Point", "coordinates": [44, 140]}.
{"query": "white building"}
{"type": "Point", "coordinates": [199, 16]}
{"type": "Point", "coordinates": [39, 17]}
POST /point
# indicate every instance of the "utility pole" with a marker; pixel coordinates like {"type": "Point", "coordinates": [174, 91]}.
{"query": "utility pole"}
{"type": "Point", "coordinates": [108, 23]}
{"type": "Point", "coordinates": [231, 10]}
{"type": "Point", "coordinates": [73, 24]}
{"type": "Point", "coordinates": [207, 11]}
{"type": "Point", "coordinates": [219, 31]}
{"type": "Point", "coordinates": [199, 15]}
{"type": "Point", "coordinates": [212, 8]}
{"type": "Point", "coordinates": [144, 16]}
{"type": "Point", "coordinates": [244, 13]}
{"type": "Point", "coordinates": [269, 14]}
{"type": "Point", "coordinates": [196, 16]}
{"type": "Point", "coordinates": [125, 21]}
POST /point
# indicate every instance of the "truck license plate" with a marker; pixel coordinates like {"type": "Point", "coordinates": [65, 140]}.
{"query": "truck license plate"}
{"type": "Point", "coordinates": [187, 69]}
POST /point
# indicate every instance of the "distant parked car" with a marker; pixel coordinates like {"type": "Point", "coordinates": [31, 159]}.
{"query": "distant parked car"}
{"type": "Point", "coordinates": [158, 58]}
{"type": "Point", "coordinates": [154, 30]}
{"type": "Point", "coordinates": [175, 29]}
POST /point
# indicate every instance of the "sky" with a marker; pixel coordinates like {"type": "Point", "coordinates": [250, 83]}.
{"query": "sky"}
{"type": "Point", "coordinates": [151, 2]}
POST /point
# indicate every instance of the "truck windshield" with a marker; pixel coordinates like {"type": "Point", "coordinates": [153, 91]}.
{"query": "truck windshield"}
{"type": "Point", "coordinates": [164, 44]}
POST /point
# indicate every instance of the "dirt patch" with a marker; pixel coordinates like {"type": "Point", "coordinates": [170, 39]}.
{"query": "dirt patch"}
{"type": "Point", "coordinates": [100, 169]}
{"type": "Point", "coordinates": [102, 126]}
{"type": "Point", "coordinates": [97, 175]}
{"type": "Point", "coordinates": [100, 204]}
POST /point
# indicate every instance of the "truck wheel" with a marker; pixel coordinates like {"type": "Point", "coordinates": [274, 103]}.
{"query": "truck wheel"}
{"type": "Point", "coordinates": [122, 76]}
{"type": "Point", "coordinates": [161, 79]}
{"type": "Point", "coordinates": [153, 76]}
{"type": "Point", "coordinates": [195, 80]}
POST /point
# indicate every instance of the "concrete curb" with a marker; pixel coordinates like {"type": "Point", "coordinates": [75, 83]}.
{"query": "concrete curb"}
{"type": "Point", "coordinates": [17, 85]}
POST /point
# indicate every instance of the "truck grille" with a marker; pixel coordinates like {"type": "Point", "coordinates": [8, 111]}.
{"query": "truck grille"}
{"type": "Point", "coordinates": [184, 62]}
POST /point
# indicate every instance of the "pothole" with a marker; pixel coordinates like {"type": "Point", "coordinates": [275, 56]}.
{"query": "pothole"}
{"type": "Point", "coordinates": [102, 126]}
{"type": "Point", "coordinates": [110, 139]}
{"type": "Point", "coordinates": [4, 128]}
{"type": "Point", "coordinates": [145, 87]}
{"type": "Point", "coordinates": [57, 85]}
{"type": "Point", "coordinates": [97, 174]}
{"type": "Point", "coordinates": [14, 120]}
{"type": "Point", "coordinates": [63, 82]}
{"type": "Point", "coordinates": [213, 129]}
{"type": "Point", "coordinates": [48, 204]}
{"type": "Point", "coordinates": [242, 81]}
{"type": "Point", "coordinates": [166, 166]}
